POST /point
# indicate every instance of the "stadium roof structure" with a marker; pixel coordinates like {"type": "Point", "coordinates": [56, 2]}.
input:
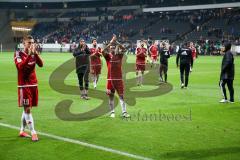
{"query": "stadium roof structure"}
{"type": "Point", "coordinates": [51, 4]}
{"type": "Point", "coordinates": [44, 1]}
{"type": "Point", "coordinates": [193, 7]}
{"type": "Point", "coordinates": [62, 4]}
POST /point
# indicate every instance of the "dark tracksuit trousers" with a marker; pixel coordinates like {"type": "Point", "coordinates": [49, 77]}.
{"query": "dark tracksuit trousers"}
{"type": "Point", "coordinates": [229, 83]}
{"type": "Point", "coordinates": [83, 77]}
{"type": "Point", "coordinates": [184, 73]}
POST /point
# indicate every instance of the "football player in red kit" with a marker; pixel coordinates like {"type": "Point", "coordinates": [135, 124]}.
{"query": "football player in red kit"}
{"type": "Point", "coordinates": [113, 54]}
{"type": "Point", "coordinates": [96, 64]}
{"type": "Point", "coordinates": [194, 54]}
{"type": "Point", "coordinates": [153, 50]}
{"type": "Point", "coordinates": [141, 54]}
{"type": "Point", "coordinates": [27, 84]}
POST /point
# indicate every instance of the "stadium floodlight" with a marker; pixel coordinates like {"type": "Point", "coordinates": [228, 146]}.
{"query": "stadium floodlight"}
{"type": "Point", "coordinates": [22, 29]}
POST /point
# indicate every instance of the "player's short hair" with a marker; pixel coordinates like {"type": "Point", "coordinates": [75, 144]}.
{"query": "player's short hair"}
{"type": "Point", "coordinates": [94, 39]}
{"type": "Point", "coordinates": [27, 37]}
{"type": "Point", "coordinates": [227, 46]}
{"type": "Point", "coordinates": [184, 44]}
{"type": "Point", "coordinates": [187, 44]}
{"type": "Point", "coordinates": [81, 39]}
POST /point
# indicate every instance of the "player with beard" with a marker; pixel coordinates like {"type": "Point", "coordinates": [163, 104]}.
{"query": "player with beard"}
{"type": "Point", "coordinates": [82, 53]}
{"type": "Point", "coordinates": [96, 64]}
{"type": "Point", "coordinates": [141, 54]}
{"type": "Point", "coordinates": [113, 54]}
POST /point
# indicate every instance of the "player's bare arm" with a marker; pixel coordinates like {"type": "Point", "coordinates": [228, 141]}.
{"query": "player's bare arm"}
{"type": "Point", "coordinates": [105, 49]}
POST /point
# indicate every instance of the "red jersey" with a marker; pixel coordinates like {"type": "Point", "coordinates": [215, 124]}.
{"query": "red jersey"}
{"type": "Point", "coordinates": [153, 50]}
{"type": "Point", "coordinates": [95, 56]}
{"type": "Point", "coordinates": [114, 65]}
{"type": "Point", "coordinates": [26, 68]}
{"type": "Point", "coordinates": [194, 52]}
{"type": "Point", "coordinates": [141, 55]}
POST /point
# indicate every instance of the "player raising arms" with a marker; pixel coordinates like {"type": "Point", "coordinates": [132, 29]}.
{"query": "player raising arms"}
{"type": "Point", "coordinates": [114, 58]}
{"type": "Point", "coordinates": [194, 54]}
{"type": "Point", "coordinates": [153, 50]}
{"type": "Point", "coordinates": [96, 64]}
{"type": "Point", "coordinates": [141, 54]}
{"type": "Point", "coordinates": [27, 84]}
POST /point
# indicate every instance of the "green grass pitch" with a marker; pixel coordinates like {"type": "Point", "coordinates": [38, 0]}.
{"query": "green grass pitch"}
{"type": "Point", "coordinates": [213, 132]}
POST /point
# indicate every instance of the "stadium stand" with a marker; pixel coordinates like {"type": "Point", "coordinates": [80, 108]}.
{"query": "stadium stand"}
{"type": "Point", "coordinates": [126, 19]}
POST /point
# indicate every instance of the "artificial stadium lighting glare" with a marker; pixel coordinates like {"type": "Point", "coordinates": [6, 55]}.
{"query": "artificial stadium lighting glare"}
{"type": "Point", "coordinates": [21, 29]}
{"type": "Point", "coordinates": [65, 5]}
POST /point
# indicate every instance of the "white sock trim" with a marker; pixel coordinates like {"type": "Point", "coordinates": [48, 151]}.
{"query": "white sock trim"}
{"type": "Point", "coordinates": [123, 105]}
{"type": "Point", "coordinates": [23, 122]}
{"type": "Point", "coordinates": [111, 105]}
{"type": "Point", "coordinates": [30, 122]}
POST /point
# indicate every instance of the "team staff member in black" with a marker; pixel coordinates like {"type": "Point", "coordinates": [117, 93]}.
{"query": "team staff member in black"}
{"type": "Point", "coordinates": [227, 74]}
{"type": "Point", "coordinates": [186, 59]}
{"type": "Point", "coordinates": [82, 53]}
{"type": "Point", "coordinates": [164, 55]}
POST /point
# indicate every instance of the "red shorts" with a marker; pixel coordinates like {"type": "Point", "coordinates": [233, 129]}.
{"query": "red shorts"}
{"type": "Point", "coordinates": [113, 85]}
{"type": "Point", "coordinates": [154, 58]}
{"type": "Point", "coordinates": [140, 67]}
{"type": "Point", "coordinates": [96, 69]}
{"type": "Point", "coordinates": [28, 96]}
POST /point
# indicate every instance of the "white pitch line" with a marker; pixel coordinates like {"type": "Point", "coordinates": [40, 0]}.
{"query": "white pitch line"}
{"type": "Point", "coordinates": [82, 143]}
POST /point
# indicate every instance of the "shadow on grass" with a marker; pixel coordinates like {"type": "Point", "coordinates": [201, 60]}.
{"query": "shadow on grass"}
{"type": "Point", "coordinates": [198, 154]}
{"type": "Point", "coordinates": [234, 107]}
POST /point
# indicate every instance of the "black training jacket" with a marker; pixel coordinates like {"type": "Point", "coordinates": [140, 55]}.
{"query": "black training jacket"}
{"type": "Point", "coordinates": [164, 55]}
{"type": "Point", "coordinates": [185, 56]}
{"type": "Point", "coordinates": [82, 59]}
{"type": "Point", "coordinates": [227, 70]}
